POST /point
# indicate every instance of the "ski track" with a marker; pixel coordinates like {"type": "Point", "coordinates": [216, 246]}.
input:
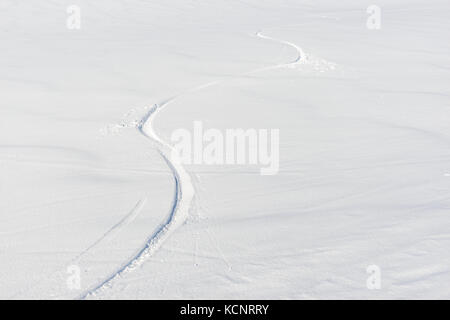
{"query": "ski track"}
{"type": "Point", "coordinates": [107, 236]}
{"type": "Point", "coordinates": [184, 188]}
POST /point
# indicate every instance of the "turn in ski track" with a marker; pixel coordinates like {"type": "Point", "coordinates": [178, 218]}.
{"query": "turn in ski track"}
{"type": "Point", "coordinates": [184, 188]}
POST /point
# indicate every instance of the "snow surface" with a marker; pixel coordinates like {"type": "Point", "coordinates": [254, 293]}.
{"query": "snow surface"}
{"type": "Point", "coordinates": [86, 118]}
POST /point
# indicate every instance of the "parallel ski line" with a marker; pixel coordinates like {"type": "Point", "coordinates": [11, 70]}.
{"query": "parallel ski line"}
{"type": "Point", "coordinates": [184, 189]}
{"type": "Point", "coordinates": [107, 236]}
{"type": "Point", "coordinates": [127, 219]}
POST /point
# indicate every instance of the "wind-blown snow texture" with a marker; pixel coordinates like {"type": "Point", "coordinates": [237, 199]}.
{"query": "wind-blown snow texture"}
{"type": "Point", "coordinates": [87, 180]}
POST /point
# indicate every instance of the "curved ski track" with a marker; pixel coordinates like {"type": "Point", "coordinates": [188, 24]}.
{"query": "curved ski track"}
{"type": "Point", "coordinates": [184, 189]}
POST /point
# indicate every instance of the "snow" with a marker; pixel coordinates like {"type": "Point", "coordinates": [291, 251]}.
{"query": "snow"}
{"type": "Point", "coordinates": [88, 178]}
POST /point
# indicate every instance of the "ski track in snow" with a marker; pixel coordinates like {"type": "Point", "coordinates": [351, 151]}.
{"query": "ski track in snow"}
{"type": "Point", "coordinates": [107, 236]}
{"type": "Point", "coordinates": [184, 188]}
{"type": "Point", "coordinates": [117, 227]}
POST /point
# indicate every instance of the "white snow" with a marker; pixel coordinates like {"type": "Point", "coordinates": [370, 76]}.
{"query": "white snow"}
{"type": "Point", "coordinates": [87, 180]}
